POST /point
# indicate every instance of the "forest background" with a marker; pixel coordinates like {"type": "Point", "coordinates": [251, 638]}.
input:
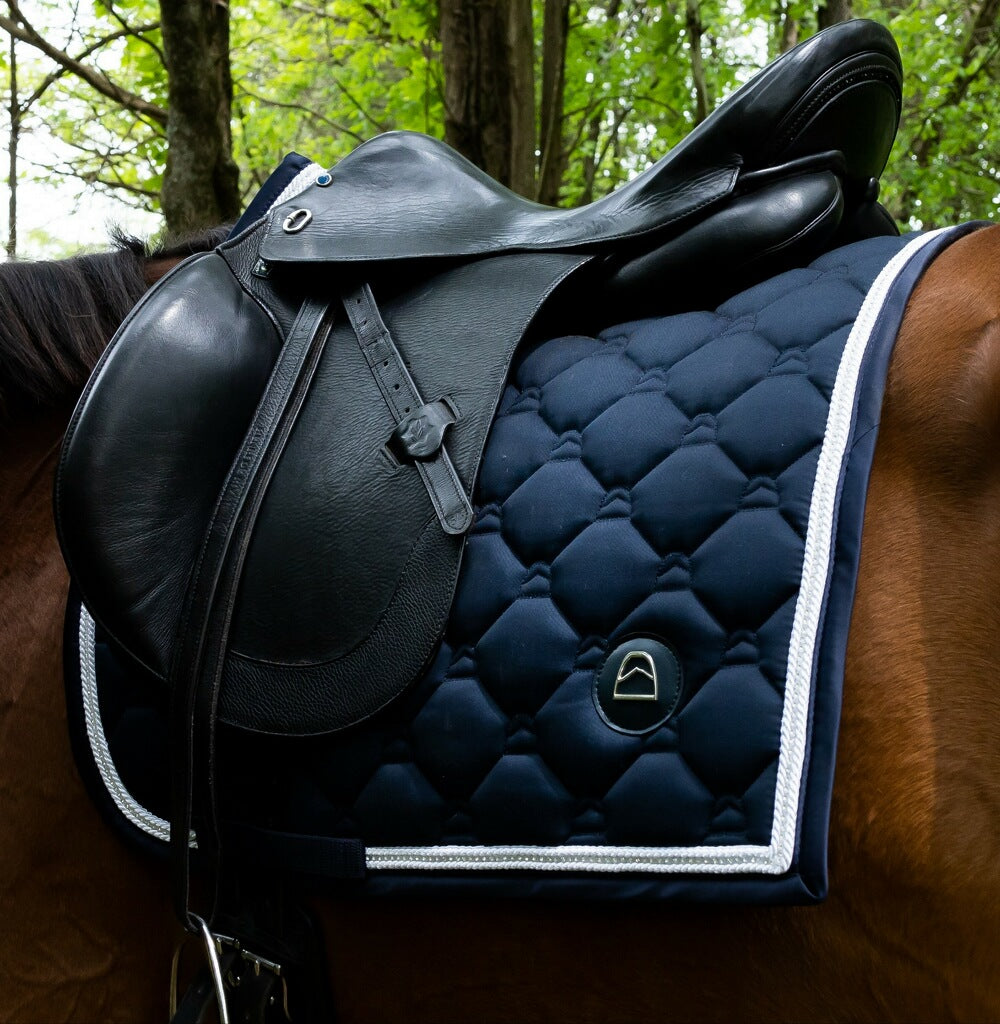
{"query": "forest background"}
{"type": "Point", "coordinates": [167, 116]}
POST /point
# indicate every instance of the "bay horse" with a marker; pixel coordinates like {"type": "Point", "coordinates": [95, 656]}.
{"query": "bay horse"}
{"type": "Point", "coordinates": [909, 929]}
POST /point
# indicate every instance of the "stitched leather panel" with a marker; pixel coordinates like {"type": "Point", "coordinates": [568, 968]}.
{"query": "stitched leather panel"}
{"type": "Point", "coordinates": [347, 536]}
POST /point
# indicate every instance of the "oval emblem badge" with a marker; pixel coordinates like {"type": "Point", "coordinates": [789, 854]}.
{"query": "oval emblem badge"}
{"type": "Point", "coordinates": [638, 686]}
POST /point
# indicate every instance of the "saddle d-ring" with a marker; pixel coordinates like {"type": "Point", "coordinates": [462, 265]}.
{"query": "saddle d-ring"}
{"type": "Point", "coordinates": [296, 221]}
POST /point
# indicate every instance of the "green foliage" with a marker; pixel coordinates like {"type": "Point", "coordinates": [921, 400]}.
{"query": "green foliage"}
{"type": "Point", "coordinates": [951, 106]}
{"type": "Point", "coordinates": [629, 94]}
{"type": "Point", "coordinates": [104, 145]}
{"type": "Point", "coordinates": [945, 166]}
{"type": "Point", "coordinates": [321, 75]}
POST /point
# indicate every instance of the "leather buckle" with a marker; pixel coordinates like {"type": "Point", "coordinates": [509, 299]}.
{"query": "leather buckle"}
{"type": "Point", "coordinates": [420, 435]}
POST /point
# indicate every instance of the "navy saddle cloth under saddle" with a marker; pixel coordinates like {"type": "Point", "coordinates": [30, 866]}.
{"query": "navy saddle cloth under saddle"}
{"type": "Point", "coordinates": [639, 686]}
{"type": "Point", "coordinates": [278, 469]}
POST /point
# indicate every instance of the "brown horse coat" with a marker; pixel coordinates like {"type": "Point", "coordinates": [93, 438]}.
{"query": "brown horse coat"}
{"type": "Point", "coordinates": [910, 927]}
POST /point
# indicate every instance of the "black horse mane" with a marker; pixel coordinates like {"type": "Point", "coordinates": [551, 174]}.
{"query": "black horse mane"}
{"type": "Point", "coordinates": [57, 316]}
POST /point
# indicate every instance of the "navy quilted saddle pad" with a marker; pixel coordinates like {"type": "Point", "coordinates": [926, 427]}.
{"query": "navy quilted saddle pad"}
{"type": "Point", "coordinates": [639, 688]}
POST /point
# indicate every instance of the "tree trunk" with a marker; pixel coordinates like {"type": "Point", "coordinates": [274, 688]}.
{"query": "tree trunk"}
{"type": "Point", "coordinates": [522, 98]}
{"type": "Point", "coordinates": [481, 79]}
{"type": "Point", "coordinates": [201, 181]}
{"type": "Point", "coordinates": [788, 29]}
{"type": "Point", "coordinates": [590, 159]}
{"type": "Point", "coordinates": [702, 104]}
{"type": "Point", "coordinates": [830, 12]}
{"type": "Point", "coordinates": [15, 134]}
{"type": "Point", "coordinates": [552, 164]}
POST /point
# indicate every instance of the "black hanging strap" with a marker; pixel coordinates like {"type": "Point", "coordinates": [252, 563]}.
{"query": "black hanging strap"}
{"type": "Point", "coordinates": [195, 675]}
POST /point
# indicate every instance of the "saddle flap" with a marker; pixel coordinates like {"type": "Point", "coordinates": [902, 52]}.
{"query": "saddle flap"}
{"type": "Point", "coordinates": [149, 446]}
{"type": "Point", "coordinates": [348, 576]}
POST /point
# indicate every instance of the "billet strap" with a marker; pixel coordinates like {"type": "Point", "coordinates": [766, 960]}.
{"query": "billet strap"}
{"type": "Point", "coordinates": [417, 421]}
{"type": "Point", "coordinates": [195, 676]}
{"type": "Point", "coordinates": [265, 852]}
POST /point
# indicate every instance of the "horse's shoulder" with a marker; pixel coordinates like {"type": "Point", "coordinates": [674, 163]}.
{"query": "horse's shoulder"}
{"type": "Point", "coordinates": [944, 386]}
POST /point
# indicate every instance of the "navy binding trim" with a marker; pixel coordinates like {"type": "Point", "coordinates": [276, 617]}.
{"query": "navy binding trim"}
{"type": "Point", "coordinates": [828, 674]}
{"type": "Point", "coordinates": [270, 190]}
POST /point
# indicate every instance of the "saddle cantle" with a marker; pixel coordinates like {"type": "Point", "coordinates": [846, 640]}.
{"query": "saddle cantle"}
{"type": "Point", "coordinates": [265, 489]}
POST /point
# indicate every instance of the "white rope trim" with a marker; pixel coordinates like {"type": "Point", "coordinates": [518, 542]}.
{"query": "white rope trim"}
{"type": "Point", "coordinates": [150, 823]}
{"type": "Point", "coordinates": [817, 557]}
{"type": "Point", "coordinates": [306, 177]}
{"type": "Point", "coordinates": [775, 858]}
{"type": "Point", "coordinates": [718, 860]}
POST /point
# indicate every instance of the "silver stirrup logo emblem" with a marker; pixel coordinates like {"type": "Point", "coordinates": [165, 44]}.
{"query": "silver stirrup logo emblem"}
{"type": "Point", "coordinates": [636, 679]}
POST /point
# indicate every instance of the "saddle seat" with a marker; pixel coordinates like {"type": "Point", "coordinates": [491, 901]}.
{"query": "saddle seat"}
{"type": "Point", "coordinates": [831, 103]}
{"type": "Point", "coordinates": [821, 120]}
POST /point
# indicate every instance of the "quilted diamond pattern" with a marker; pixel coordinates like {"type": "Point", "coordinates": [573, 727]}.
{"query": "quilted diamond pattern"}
{"type": "Point", "coordinates": [458, 736]}
{"type": "Point", "coordinates": [654, 481]}
{"type": "Point", "coordinates": [521, 801]}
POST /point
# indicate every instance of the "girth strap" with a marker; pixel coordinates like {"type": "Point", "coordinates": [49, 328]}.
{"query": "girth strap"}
{"type": "Point", "coordinates": [417, 422]}
{"type": "Point", "coordinates": [199, 655]}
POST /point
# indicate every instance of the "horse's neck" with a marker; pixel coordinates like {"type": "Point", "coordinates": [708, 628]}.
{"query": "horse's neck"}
{"type": "Point", "coordinates": [30, 446]}
{"type": "Point", "coordinates": [32, 578]}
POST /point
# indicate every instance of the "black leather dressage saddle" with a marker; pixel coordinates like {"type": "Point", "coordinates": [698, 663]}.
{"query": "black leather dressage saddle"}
{"type": "Point", "coordinates": [265, 487]}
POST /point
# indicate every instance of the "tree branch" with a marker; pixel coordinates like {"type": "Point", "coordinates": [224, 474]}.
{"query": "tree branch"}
{"type": "Point", "coordinates": [310, 9]}
{"type": "Point", "coordinates": [18, 26]}
{"type": "Point", "coordinates": [54, 76]}
{"type": "Point", "coordinates": [612, 138]}
{"type": "Point", "coordinates": [137, 32]}
{"type": "Point", "coordinates": [695, 31]}
{"type": "Point", "coordinates": [135, 190]}
{"type": "Point", "coordinates": [67, 169]}
{"type": "Point", "coordinates": [302, 109]}
{"type": "Point", "coordinates": [378, 125]}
